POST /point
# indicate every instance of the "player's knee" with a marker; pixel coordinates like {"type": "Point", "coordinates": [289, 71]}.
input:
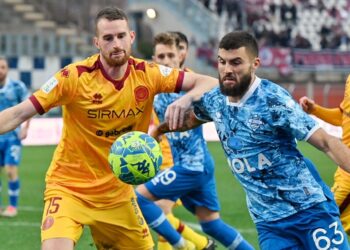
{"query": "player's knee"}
{"type": "Point", "coordinates": [12, 173]}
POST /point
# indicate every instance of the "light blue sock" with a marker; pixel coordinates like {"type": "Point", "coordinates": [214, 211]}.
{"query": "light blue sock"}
{"type": "Point", "coordinates": [225, 234]}
{"type": "Point", "coordinates": [157, 220]}
{"type": "Point", "coordinates": [13, 191]}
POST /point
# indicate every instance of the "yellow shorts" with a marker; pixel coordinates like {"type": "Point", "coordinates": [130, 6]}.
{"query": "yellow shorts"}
{"type": "Point", "coordinates": [122, 227]}
{"type": "Point", "coordinates": [341, 190]}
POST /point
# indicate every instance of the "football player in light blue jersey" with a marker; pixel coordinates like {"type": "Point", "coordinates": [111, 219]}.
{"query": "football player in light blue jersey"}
{"type": "Point", "coordinates": [191, 178]}
{"type": "Point", "coordinates": [257, 122]}
{"type": "Point", "coordinates": [11, 93]}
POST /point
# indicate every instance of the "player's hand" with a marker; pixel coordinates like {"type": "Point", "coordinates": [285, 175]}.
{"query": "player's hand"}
{"type": "Point", "coordinates": [307, 104]}
{"type": "Point", "coordinates": [176, 111]}
{"type": "Point", "coordinates": [23, 133]}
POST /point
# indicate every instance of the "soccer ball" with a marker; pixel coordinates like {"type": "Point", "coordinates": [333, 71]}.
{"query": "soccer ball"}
{"type": "Point", "coordinates": [135, 157]}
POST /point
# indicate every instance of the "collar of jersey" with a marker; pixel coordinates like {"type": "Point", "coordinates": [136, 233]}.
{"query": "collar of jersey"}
{"type": "Point", "coordinates": [246, 95]}
{"type": "Point", "coordinates": [118, 84]}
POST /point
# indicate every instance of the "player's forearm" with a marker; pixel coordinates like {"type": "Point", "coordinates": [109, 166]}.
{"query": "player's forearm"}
{"type": "Point", "coordinates": [339, 153]}
{"type": "Point", "coordinates": [12, 117]}
{"type": "Point", "coordinates": [333, 147]}
{"type": "Point", "coordinates": [332, 116]}
{"type": "Point", "coordinates": [190, 122]}
{"type": "Point", "coordinates": [9, 120]}
{"type": "Point", "coordinates": [201, 85]}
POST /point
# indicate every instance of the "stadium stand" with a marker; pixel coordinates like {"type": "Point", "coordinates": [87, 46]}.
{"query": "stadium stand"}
{"type": "Point", "coordinates": [41, 36]}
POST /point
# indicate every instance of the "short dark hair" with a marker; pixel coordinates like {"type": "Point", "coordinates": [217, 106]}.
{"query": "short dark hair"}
{"type": "Point", "coordinates": [166, 38]}
{"type": "Point", "coordinates": [111, 14]}
{"type": "Point", "coordinates": [238, 39]}
{"type": "Point", "coordinates": [182, 37]}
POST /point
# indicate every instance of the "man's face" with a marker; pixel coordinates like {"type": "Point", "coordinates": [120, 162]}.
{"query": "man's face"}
{"type": "Point", "coordinates": [114, 40]}
{"type": "Point", "coordinates": [183, 49]}
{"type": "Point", "coordinates": [3, 70]}
{"type": "Point", "coordinates": [236, 70]}
{"type": "Point", "coordinates": [167, 55]}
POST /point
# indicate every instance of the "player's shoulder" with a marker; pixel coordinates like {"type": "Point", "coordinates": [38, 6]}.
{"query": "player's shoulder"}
{"type": "Point", "coordinates": [17, 83]}
{"type": "Point", "coordinates": [270, 88]}
{"type": "Point", "coordinates": [76, 69]}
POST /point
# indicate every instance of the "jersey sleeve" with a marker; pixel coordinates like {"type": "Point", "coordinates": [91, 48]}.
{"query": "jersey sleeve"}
{"type": "Point", "coordinates": [288, 116]}
{"type": "Point", "coordinates": [333, 116]}
{"type": "Point", "coordinates": [57, 91]}
{"type": "Point", "coordinates": [166, 79]}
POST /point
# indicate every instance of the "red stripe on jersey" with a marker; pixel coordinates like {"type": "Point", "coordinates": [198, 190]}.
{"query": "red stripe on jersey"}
{"type": "Point", "coordinates": [37, 105]}
{"type": "Point", "coordinates": [138, 66]}
{"type": "Point", "coordinates": [118, 84]}
{"type": "Point", "coordinates": [179, 81]}
{"type": "Point", "coordinates": [81, 68]}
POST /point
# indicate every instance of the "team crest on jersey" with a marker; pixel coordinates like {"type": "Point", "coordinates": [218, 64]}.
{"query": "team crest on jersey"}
{"type": "Point", "coordinates": [165, 71]}
{"type": "Point", "coordinates": [47, 223]}
{"type": "Point", "coordinates": [97, 98]}
{"type": "Point", "coordinates": [255, 122]}
{"type": "Point", "coordinates": [141, 93]}
{"type": "Point", "coordinates": [65, 73]}
{"type": "Point", "coordinates": [49, 85]}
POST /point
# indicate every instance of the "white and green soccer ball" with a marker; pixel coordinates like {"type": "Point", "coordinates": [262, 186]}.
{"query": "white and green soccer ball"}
{"type": "Point", "coordinates": [135, 157]}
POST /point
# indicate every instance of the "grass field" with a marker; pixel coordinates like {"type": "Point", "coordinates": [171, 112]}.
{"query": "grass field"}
{"type": "Point", "coordinates": [23, 232]}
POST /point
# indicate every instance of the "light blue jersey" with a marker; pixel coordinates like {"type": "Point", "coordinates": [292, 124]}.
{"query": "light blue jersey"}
{"type": "Point", "coordinates": [192, 177]}
{"type": "Point", "coordinates": [189, 148]}
{"type": "Point", "coordinates": [12, 93]}
{"type": "Point", "coordinates": [258, 136]}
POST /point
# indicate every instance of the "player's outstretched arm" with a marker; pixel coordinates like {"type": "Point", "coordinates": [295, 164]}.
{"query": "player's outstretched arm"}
{"type": "Point", "coordinates": [333, 116]}
{"type": "Point", "coordinates": [195, 85]}
{"type": "Point", "coordinates": [333, 147]}
{"type": "Point", "coordinates": [190, 122]}
{"type": "Point", "coordinates": [12, 117]}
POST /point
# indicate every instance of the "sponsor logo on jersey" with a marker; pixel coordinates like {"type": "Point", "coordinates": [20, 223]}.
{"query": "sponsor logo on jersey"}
{"type": "Point", "coordinates": [114, 114]}
{"type": "Point", "coordinates": [65, 73]}
{"type": "Point", "coordinates": [113, 132]}
{"type": "Point", "coordinates": [164, 70]}
{"type": "Point", "coordinates": [141, 93]}
{"type": "Point", "coordinates": [97, 98]}
{"type": "Point", "coordinates": [49, 85]}
{"type": "Point", "coordinates": [239, 165]}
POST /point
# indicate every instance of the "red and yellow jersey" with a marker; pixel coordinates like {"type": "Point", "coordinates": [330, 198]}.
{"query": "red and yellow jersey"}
{"type": "Point", "coordinates": [164, 145]}
{"type": "Point", "coordinates": [97, 110]}
{"type": "Point", "coordinates": [345, 107]}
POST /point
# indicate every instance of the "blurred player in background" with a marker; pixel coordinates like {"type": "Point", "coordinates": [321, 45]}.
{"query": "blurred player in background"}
{"type": "Point", "coordinates": [167, 53]}
{"type": "Point", "coordinates": [103, 96]}
{"type": "Point", "coordinates": [258, 123]}
{"type": "Point", "coordinates": [191, 178]}
{"type": "Point", "coordinates": [183, 47]}
{"type": "Point", "coordinates": [338, 117]}
{"type": "Point", "coordinates": [12, 92]}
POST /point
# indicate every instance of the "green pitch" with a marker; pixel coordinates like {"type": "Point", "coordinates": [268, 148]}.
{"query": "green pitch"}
{"type": "Point", "coordinates": [23, 232]}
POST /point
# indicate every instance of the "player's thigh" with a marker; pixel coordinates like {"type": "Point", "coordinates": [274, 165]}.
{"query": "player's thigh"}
{"type": "Point", "coordinates": [122, 228]}
{"type": "Point", "coordinates": [204, 197]}
{"type": "Point", "coordinates": [173, 183]}
{"type": "Point", "coordinates": [63, 217]}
